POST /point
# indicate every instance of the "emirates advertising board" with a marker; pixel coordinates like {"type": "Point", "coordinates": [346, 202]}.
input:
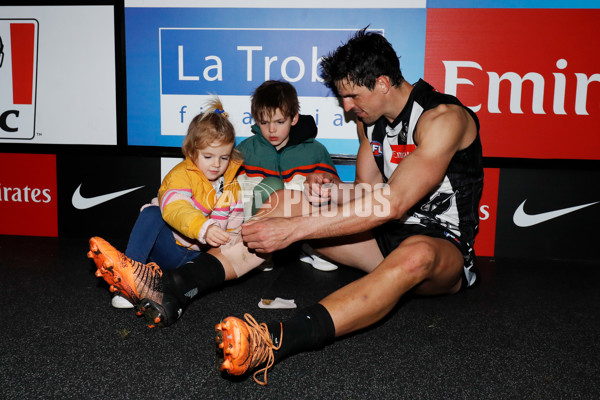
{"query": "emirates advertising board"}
{"type": "Point", "coordinates": [177, 57]}
{"type": "Point", "coordinates": [532, 76]}
{"type": "Point", "coordinates": [28, 195]}
{"type": "Point", "coordinates": [485, 240]}
{"type": "Point", "coordinates": [57, 75]}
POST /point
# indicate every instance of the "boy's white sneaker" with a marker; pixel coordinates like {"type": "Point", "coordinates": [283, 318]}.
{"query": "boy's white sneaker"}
{"type": "Point", "coordinates": [308, 255]}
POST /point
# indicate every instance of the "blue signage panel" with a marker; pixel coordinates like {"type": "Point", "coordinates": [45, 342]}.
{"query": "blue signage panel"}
{"type": "Point", "coordinates": [178, 57]}
{"type": "Point", "coordinates": [236, 61]}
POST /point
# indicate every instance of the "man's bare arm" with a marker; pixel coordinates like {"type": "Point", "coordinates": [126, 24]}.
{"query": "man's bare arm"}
{"type": "Point", "coordinates": [321, 188]}
{"type": "Point", "coordinates": [366, 167]}
{"type": "Point", "coordinates": [441, 132]}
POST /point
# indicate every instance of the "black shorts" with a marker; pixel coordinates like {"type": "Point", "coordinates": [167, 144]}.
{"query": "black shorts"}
{"type": "Point", "coordinates": [391, 234]}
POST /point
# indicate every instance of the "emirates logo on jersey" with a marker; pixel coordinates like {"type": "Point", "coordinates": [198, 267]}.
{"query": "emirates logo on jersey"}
{"type": "Point", "coordinates": [400, 151]}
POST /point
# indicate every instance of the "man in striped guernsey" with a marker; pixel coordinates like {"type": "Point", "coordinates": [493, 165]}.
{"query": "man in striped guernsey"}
{"type": "Point", "coordinates": [409, 221]}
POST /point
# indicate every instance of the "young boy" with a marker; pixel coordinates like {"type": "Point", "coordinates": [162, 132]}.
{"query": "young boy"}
{"type": "Point", "coordinates": [281, 153]}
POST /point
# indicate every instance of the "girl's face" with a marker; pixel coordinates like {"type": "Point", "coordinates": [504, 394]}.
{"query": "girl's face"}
{"type": "Point", "coordinates": [213, 160]}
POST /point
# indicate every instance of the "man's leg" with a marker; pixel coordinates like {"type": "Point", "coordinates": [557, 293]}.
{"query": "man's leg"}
{"type": "Point", "coordinates": [351, 250]}
{"type": "Point", "coordinates": [161, 296]}
{"type": "Point", "coordinates": [428, 265]}
{"type": "Point", "coordinates": [219, 264]}
{"type": "Point", "coordinates": [236, 258]}
{"type": "Point", "coordinates": [431, 266]}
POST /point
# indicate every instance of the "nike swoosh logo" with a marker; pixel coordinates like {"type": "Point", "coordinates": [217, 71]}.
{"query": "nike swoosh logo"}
{"type": "Point", "coordinates": [83, 203]}
{"type": "Point", "coordinates": [522, 219]}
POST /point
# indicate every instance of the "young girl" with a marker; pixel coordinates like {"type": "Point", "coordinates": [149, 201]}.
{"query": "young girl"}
{"type": "Point", "coordinates": [199, 200]}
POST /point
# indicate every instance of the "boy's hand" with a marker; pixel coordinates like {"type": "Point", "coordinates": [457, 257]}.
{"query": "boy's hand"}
{"type": "Point", "coordinates": [216, 236]}
{"type": "Point", "coordinates": [317, 187]}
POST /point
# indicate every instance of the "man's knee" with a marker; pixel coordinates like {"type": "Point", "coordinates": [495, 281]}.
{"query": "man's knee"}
{"type": "Point", "coordinates": [433, 266]}
{"type": "Point", "coordinates": [415, 258]}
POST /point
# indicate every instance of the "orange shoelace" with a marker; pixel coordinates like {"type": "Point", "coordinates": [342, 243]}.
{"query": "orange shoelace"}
{"type": "Point", "coordinates": [263, 347]}
{"type": "Point", "coordinates": [155, 269]}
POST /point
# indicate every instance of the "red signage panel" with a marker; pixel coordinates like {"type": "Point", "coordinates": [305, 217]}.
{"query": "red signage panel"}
{"type": "Point", "coordinates": [532, 76]}
{"type": "Point", "coordinates": [28, 198]}
{"type": "Point", "coordinates": [485, 240]}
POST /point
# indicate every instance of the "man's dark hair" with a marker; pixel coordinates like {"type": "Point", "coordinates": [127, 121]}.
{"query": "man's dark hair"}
{"type": "Point", "coordinates": [364, 58]}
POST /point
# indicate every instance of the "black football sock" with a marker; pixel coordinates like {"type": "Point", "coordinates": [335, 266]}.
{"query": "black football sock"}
{"type": "Point", "coordinates": [310, 329]}
{"type": "Point", "coordinates": [204, 273]}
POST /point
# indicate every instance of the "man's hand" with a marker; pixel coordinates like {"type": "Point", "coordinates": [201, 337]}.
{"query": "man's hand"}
{"type": "Point", "coordinates": [318, 187]}
{"type": "Point", "coordinates": [265, 235]}
{"type": "Point", "coordinates": [216, 236]}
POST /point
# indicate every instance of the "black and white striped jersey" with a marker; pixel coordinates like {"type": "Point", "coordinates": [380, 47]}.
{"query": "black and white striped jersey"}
{"type": "Point", "coordinates": [453, 204]}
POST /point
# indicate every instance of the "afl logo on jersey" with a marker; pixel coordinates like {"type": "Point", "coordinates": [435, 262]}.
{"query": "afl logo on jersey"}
{"type": "Point", "coordinates": [377, 150]}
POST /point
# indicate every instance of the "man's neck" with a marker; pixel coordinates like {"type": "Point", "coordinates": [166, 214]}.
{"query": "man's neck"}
{"type": "Point", "coordinates": [397, 99]}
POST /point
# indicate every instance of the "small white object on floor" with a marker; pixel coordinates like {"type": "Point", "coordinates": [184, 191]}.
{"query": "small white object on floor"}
{"type": "Point", "coordinates": [278, 302]}
{"type": "Point", "coordinates": [266, 266]}
{"type": "Point", "coordinates": [308, 255]}
{"type": "Point", "coordinates": [119, 301]}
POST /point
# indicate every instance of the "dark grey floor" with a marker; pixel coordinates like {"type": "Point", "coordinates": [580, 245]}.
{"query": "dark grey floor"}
{"type": "Point", "coordinates": [531, 330]}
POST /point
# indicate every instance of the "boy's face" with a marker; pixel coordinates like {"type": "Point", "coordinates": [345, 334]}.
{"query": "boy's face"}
{"type": "Point", "coordinates": [213, 160]}
{"type": "Point", "coordinates": [276, 129]}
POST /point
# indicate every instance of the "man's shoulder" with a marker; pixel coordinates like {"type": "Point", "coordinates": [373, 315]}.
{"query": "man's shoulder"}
{"type": "Point", "coordinates": [430, 98]}
{"type": "Point", "coordinates": [443, 109]}
{"type": "Point", "coordinates": [448, 119]}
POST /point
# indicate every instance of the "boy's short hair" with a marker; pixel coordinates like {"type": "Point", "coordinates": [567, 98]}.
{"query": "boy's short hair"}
{"type": "Point", "coordinates": [363, 59]}
{"type": "Point", "coordinates": [273, 95]}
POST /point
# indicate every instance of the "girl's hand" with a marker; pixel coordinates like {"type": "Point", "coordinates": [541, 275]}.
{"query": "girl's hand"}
{"type": "Point", "coordinates": [215, 236]}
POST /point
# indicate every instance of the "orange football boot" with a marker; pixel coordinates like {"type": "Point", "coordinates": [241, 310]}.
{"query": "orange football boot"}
{"type": "Point", "coordinates": [141, 284]}
{"type": "Point", "coordinates": [246, 346]}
